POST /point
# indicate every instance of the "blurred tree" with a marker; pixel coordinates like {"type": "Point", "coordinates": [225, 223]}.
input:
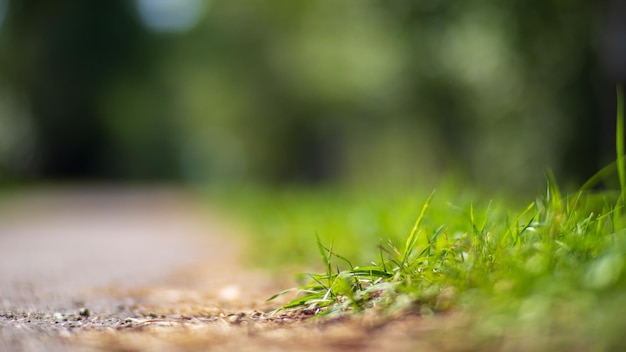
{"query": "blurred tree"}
{"type": "Point", "coordinates": [512, 85]}
{"type": "Point", "coordinates": [363, 91]}
{"type": "Point", "coordinates": [62, 57]}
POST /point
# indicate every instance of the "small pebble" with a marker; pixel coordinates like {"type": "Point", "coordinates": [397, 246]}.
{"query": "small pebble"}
{"type": "Point", "coordinates": [131, 321]}
{"type": "Point", "coordinates": [235, 318]}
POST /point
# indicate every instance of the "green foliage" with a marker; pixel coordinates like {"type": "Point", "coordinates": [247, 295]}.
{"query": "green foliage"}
{"type": "Point", "coordinates": [557, 251]}
{"type": "Point", "coordinates": [557, 266]}
{"type": "Point", "coordinates": [282, 92]}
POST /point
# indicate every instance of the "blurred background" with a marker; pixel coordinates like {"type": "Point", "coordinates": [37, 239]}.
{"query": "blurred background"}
{"type": "Point", "coordinates": [357, 92]}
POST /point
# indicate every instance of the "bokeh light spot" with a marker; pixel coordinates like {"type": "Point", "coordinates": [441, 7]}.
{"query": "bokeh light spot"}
{"type": "Point", "coordinates": [170, 15]}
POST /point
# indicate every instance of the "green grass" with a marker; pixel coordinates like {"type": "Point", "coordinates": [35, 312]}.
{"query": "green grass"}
{"type": "Point", "coordinates": [282, 225]}
{"type": "Point", "coordinates": [555, 266]}
{"type": "Point", "coordinates": [551, 274]}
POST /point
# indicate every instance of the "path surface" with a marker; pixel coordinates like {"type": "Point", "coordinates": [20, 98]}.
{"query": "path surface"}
{"type": "Point", "coordinates": [112, 254]}
{"type": "Point", "coordinates": [57, 243]}
{"type": "Point", "coordinates": [92, 269]}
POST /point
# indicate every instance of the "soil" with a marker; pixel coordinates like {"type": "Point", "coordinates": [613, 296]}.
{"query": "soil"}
{"type": "Point", "coordinates": [129, 269]}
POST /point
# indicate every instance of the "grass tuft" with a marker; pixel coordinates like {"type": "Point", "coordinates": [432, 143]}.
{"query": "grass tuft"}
{"type": "Point", "coordinates": [555, 269]}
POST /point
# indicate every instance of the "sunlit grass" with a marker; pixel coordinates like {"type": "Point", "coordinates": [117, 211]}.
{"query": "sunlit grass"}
{"type": "Point", "coordinates": [551, 273]}
{"type": "Point", "coordinates": [543, 269]}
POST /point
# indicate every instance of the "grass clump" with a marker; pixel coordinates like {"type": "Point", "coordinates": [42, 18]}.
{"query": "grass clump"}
{"type": "Point", "coordinates": [553, 272]}
{"type": "Point", "coordinates": [557, 266]}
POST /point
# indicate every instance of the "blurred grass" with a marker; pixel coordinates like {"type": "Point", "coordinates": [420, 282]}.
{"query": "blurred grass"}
{"type": "Point", "coordinates": [282, 224]}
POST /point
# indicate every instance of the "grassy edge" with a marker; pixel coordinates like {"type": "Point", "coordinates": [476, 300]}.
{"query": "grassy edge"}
{"type": "Point", "coordinates": [543, 238]}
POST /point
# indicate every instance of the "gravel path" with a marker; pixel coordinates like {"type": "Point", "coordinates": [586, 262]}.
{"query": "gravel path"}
{"type": "Point", "coordinates": [90, 259]}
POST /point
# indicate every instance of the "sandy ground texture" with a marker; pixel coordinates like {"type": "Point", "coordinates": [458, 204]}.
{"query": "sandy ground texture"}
{"type": "Point", "coordinates": [113, 269]}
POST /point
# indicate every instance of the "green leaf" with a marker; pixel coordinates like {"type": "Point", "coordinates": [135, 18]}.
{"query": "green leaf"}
{"type": "Point", "coordinates": [342, 286]}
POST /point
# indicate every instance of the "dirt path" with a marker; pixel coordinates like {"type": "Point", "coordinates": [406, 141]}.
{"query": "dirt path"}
{"type": "Point", "coordinates": [144, 270]}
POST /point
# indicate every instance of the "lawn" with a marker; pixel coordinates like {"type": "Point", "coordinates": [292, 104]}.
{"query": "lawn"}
{"type": "Point", "coordinates": [550, 273]}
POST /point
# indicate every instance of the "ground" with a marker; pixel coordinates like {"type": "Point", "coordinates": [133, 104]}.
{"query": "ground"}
{"type": "Point", "coordinates": [128, 269]}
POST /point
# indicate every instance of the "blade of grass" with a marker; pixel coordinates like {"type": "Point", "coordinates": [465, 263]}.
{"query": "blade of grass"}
{"type": "Point", "coordinates": [412, 239]}
{"type": "Point", "coordinates": [326, 254]}
{"type": "Point", "coordinates": [619, 140]}
{"type": "Point", "coordinates": [600, 176]}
